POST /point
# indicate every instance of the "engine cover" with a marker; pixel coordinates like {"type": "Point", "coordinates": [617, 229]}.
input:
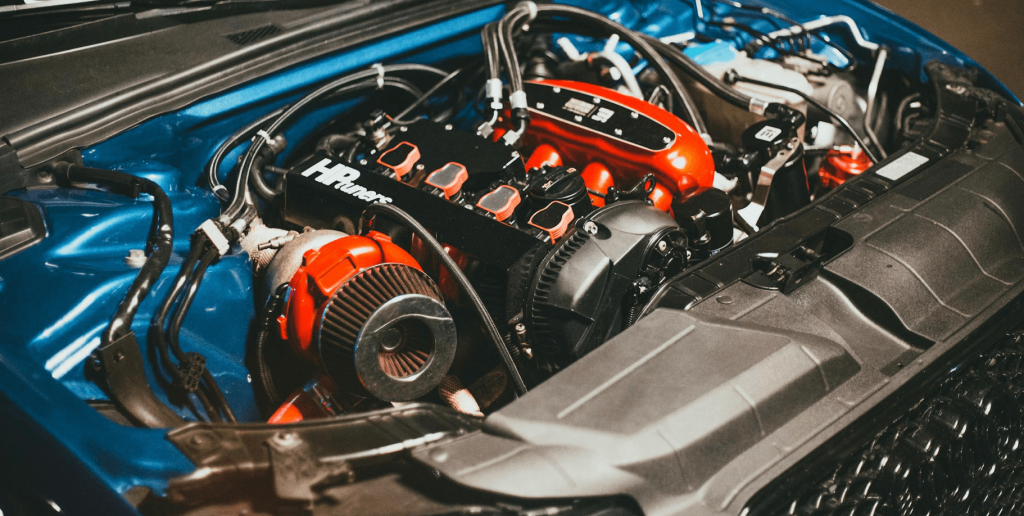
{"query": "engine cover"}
{"type": "Point", "coordinates": [585, 287]}
{"type": "Point", "coordinates": [629, 137]}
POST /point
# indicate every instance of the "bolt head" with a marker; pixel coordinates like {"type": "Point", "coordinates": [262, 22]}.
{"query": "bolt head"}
{"type": "Point", "coordinates": [662, 246]}
{"type": "Point", "coordinates": [590, 227]}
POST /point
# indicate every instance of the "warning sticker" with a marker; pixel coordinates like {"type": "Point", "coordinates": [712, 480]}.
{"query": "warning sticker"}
{"type": "Point", "coordinates": [903, 165]}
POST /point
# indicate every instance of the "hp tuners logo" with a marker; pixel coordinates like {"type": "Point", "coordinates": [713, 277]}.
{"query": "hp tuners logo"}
{"type": "Point", "coordinates": [343, 178]}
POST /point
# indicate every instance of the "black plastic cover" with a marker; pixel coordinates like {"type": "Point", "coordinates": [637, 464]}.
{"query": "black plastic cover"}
{"type": "Point", "coordinates": [21, 225]}
{"type": "Point", "coordinates": [710, 388]}
{"type": "Point", "coordinates": [576, 301]}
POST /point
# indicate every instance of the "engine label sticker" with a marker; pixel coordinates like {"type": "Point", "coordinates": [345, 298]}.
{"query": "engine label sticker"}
{"type": "Point", "coordinates": [578, 107]}
{"type": "Point", "coordinates": [343, 178]}
{"type": "Point", "coordinates": [602, 115]}
{"type": "Point", "coordinates": [768, 133]}
{"type": "Point", "coordinates": [903, 165]}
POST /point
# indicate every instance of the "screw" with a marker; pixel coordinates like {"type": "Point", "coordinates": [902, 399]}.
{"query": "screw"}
{"type": "Point", "coordinates": [448, 127]}
{"type": "Point", "coordinates": [590, 227]}
{"type": "Point", "coordinates": [618, 132]}
{"type": "Point", "coordinates": [578, 118]}
{"type": "Point", "coordinates": [662, 246]}
{"type": "Point", "coordinates": [540, 105]}
{"type": "Point", "coordinates": [45, 176]}
{"type": "Point", "coordinates": [520, 328]}
{"type": "Point", "coordinates": [421, 166]}
{"type": "Point", "coordinates": [287, 439]}
{"type": "Point", "coordinates": [667, 140]}
{"type": "Point", "coordinates": [363, 162]}
{"type": "Point", "coordinates": [634, 114]}
{"type": "Point", "coordinates": [597, 100]}
{"type": "Point", "coordinates": [403, 128]}
{"type": "Point", "coordinates": [556, 89]}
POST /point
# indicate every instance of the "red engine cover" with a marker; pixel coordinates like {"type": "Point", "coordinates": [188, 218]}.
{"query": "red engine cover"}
{"type": "Point", "coordinates": [586, 124]}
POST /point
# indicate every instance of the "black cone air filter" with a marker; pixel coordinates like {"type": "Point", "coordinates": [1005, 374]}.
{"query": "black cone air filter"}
{"type": "Point", "coordinates": [386, 332]}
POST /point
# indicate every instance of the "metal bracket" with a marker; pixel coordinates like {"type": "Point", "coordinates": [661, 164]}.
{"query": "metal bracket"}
{"type": "Point", "coordinates": [752, 212]}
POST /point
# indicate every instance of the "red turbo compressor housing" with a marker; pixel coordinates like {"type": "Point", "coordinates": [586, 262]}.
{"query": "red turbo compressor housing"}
{"type": "Point", "coordinates": [363, 312]}
{"type": "Point", "coordinates": [615, 139]}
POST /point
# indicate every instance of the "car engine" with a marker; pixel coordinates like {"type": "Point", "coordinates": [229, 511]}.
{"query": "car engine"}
{"type": "Point", "coordinates": [465, 255]}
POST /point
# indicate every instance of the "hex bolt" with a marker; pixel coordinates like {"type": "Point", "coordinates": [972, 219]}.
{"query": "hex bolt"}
{"type": "Point", "coordinates": [662, 246]}
{"type": "Point", "coordinates": [590, 227]}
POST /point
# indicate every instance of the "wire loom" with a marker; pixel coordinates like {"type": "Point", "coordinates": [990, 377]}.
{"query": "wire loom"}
{"type": "Point", "coordinates": [959, 451]}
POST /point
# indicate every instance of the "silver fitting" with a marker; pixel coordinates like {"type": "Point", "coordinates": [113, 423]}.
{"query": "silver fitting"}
{"type": "Point", "coordinates": [518, 100]}
{"type": "Point", "coordinates": [758, 106]}
{"type": "Point", "coordinates": [215, 236]}
{"type": "Point", "coordinates": [492, 89]}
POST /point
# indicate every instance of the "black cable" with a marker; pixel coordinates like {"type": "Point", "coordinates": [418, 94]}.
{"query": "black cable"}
{"type": "Point", "coordinates": [156, 333]}
{"type": "Point", "coordinates": [142, 404]}
{"type": "Point", "coordinates": [765, 39]}
{"type": "Point", "coordinates": [240, 136]}
{"type": "Point", "coordinates": [394, 212]}
{"type": "Point", "coordinates": [592, 24]}
{"type": "Point", "coordinates": [174, 329]}
{"type": "Point", "coordinates": [211, 412]}
{"type": "Point", "coordinates": [264, 333]}
{"type": "Point", "coordinates": [902, 108]}
{"type": "Point", "coordinates": [804, 33]}
{"type": "Point", "coordinates": [161, 242]}
{"type": "Point", "coordinates": [240, 200]}
{"type": "Point", "coordinates": [641, 44]}
{"type": "Point", "coordinates": [810, 100]}
{"type": "Point", "coordinates": [699, 74]}
{"type": "Point", "coordinates": [430, 92]}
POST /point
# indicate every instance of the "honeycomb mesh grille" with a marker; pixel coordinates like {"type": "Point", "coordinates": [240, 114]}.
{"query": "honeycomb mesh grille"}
{"type": "Point", "coordinates": [352, 305]}
{"type": "Point", "coordinates": [958, 451]}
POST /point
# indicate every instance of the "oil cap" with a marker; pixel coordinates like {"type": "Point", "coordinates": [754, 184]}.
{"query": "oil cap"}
{"type": "Point", "coordinates": [554, 219]}
{"type": "Point", "coordinates": [400, 159]}
{"type": "Point", "coordinates": [448, 179]}
{"type": "Point", "coordinates": [560, 184]}
{"type": "Point", "coordinates": [500, 202]}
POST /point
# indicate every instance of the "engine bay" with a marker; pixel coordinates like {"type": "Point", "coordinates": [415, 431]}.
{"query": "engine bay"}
{"type": "Point", "coordinates": [459, 233]}
{"type": "Point", "coordinates": [380, 248]}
